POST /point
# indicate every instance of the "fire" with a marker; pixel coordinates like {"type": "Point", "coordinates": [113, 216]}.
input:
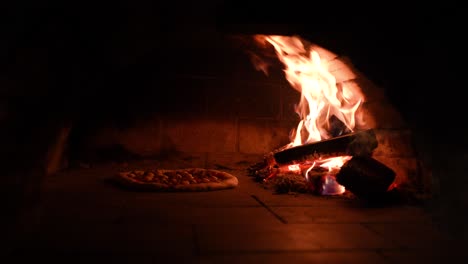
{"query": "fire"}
{"type": "Point", "coordinates": [330, 186]}
{"type": "Point", "coordinates": [334, 163]}
{"type": "Point", "coordinates": [321, 97]}
{"type": "Point", "coordinates": [294, 167]}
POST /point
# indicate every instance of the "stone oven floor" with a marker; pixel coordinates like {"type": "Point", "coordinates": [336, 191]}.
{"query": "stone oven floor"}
{"type": "Point", "coordinates": [84, 219]}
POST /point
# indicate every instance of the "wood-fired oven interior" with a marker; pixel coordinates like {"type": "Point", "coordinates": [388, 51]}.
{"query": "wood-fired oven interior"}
{"type": "Point", "coordinates": [136, 84]}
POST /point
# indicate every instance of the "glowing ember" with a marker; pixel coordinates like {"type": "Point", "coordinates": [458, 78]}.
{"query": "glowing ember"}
{"type": "Point", "coordinates": [331, 187]}
{"type": "Point", "coordinates": [392, 186]}
{"type": "Point", "coordinates": [334, 163]}
{"type": "Point", "coordinates": [294, 167]}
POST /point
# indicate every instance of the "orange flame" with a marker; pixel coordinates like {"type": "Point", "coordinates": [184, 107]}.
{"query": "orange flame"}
{"type": "Point", "coordinates": [294, 167]}
{"type": "Point", "coordinates": [330, 186]}
{"type": "Point", "coordinates": [334, 163]}
{"type": "Point", "coordinates": [321, 97]}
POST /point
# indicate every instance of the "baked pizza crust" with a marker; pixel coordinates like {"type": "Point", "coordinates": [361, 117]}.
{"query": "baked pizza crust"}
{"type": "Point", "coordinates": [225, 181]}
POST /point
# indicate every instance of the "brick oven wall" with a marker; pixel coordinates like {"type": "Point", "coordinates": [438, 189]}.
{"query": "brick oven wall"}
{"type": "Point", "coordinates": [217, 103]}
{"type": "Point", "coordinates": [196, 93]}
{"type": "Point", "coordinates": [395, 139]}
{"type": "Point", "coordinates": [55, 63]}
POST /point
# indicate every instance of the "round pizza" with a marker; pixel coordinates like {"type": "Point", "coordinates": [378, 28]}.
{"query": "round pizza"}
{"type": "Point", "coordinates": [191, 179]}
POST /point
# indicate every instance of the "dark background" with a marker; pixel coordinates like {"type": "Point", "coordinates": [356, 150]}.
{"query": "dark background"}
{"type": "Point", "coordinates": [81, 53]}
{"type": "Point", "coordinates": [63, 62]}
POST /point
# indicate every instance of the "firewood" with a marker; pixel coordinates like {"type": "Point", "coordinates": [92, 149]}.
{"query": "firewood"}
{"type": "Point", "coordinates": [361, 143]}
{"type": "Point", "coordinates": [289, 183]}
{"type": "Point", "coordinates": [365, 177]}
{"type": "Point", "coordinates": [263, 169]}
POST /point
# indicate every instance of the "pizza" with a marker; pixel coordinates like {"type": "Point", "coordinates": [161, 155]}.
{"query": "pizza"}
{"type": "Point", "coordinates": [190, 179]}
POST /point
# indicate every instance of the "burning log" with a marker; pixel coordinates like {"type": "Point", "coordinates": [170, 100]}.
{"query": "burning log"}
{"type": "Point", "coordinates": [267, 168]}
{"type": "Point", "coordinates": [289, 183]}
{"type": "Point", "coordinates": [365, 177]}
{"type": "Point", "coordinates": [360, 143]}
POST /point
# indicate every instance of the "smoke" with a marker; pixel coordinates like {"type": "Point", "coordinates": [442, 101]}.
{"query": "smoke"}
{"type": "Point", "coordinates": [261, 53]}
{"type": "Point", "coordinates": [258, 62]}
{"type": "Point", "coordinates": [364, 144]}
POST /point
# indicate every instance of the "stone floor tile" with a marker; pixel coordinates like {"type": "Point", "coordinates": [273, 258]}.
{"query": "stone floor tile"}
{"type": "Point", "coordinates": [301, 199]}
{"type": "Point", "coordinates": [338, 257]}
{"type": "Point", "coordinates": [284, 237]}
{"type": "Point", "coordinates": [425, 256]}
{"type": "Point", "coordinates": [85, 219]}
{"type": "Point", "coordinates": [191, 215]}
{"type": "Point", "coordinates": [77, 256]}
{"type": "Point", "coordinates": [412, 235]}
{"type": "Point", "coordinates": [219, 198]}
{"type": "Point", "coordinates": [350, 214]}
{"type": "Point", "coordinates": [118, 238]}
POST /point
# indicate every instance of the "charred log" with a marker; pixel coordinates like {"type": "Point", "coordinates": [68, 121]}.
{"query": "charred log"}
{"type": "Point", "coordinates": [361, 143]}
{"type": "Point", "coordinates": [289, 183]}
{"type": "Point", "coordinates": [366, 177]}
{"type": "Point", "coordinates": [263, 169]}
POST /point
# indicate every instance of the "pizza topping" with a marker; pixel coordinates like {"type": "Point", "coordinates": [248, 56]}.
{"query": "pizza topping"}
{"type": "Point", "coordinates": [139, 172]}
{"type": "Point", "coordinates": [184, 177]}
{"type": "Point", "coordinates": [195, 179]}
{"type": "Point", "coordinates": [149, 176]}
